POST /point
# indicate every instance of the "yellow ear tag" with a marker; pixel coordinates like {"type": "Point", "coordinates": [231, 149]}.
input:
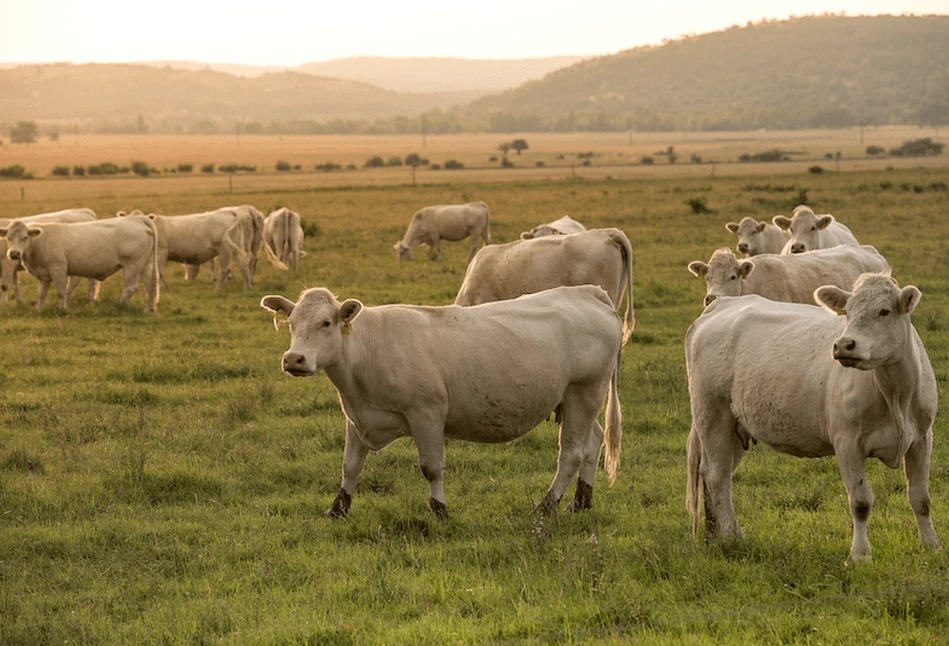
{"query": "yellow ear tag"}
{"type": "Point", "coordinates": [346, 328]}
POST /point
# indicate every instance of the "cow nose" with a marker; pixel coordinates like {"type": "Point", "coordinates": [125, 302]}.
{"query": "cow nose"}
{"type": "Point", "coordinates": [12, 254]}
{"type": "Point", "coordinates": [294, 362]}
{"type": "Point", "coordinates": [709, 298]}
{"type": "Point", "coordinates": [844, 346]}
{"type": "Point", "coordinates": [743, 248]}
{"type": "Point", "coordinates": [798, 248]}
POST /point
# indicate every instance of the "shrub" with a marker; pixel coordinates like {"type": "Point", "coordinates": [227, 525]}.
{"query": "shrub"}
{"type": "Point", "coordinates": [539, 164]}
{"type": "Point", "coordinates": [228, 168]}
{"type": "Point", "coordinates": [15, 172]}
{"type": "Point", "coordinates": [328, 167]}
{"type": "Point", "coordinates": [79, 171]}
{"type": "Point", "coordinates": [698, 205]}
{"type": "Point", "coordinates": [62, 171]}
{"type": "Point", "coordinates": [141, 168]}
{"type": "Point", "coordinates": [453, 164]}
{"type": "Point", "coordinates": [375, 162]}
{"type": "Point", "coordinates": [185, 168]}
{"type": "Point", "coordinates": [207, 168]}
{"type": "Point", "coordinates": [394, 161]}
{"type": "Point", "coordinates": [918, 148]}
{"type": "Point", "coordinates": [815, 170]}
{"type": "Point", "coordinates": [413, 159]}
{"type": "Point", "coordinates": [646, 159]}
{"type": "Point", "coordinates": [875, 150]}
{"type": "Point", "coordinates": [282, 166]}
{"type": "Point", "coordinates": [507, 163]}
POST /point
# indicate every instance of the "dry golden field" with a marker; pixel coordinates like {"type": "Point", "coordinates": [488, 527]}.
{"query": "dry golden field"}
{"type": "Point", "coordinates": [550, 156]}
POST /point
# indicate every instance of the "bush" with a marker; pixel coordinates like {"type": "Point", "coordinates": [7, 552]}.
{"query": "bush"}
{"type": "Point", "coordinates": [539, 164]}
{"type": "Point", "coordinates": [141, 168]}
{"type": "Point", "coordinates": [919, 148]}
{"type": "Point", "coordinates": [875, 150]}
{"type": "Point", "coordinates": [62, 171]}
{"type": "Point", "coordinates": [328, 167]}
{"type": "Point", "coordinates": [453, 164]}
{"type": "Point", "coordinates": [228, 168]}
{"type": "Point", "coordinates": [698, 205]}
{"type": "Point", "coordinates": [646, 159]}
{"type": "Point", "coordinates": [15, 172]}
{"type": "Point", "coordinates": [105, 168]}
{"type": "Point", "coordinates": [283, 166]}
{"type": "Point", "coordinates": [185, 168]}
{"type": "Point", "coordinates": [375, 162]}
{"type": "Point", "coordinates": [815, 170]}
{"type": "Point", "coordinates": [413, 159]}
{"type": "Point", "coordinates": [79, 171]}
{"type": "Point", "coordinates": [207, 168]}
{"type": "Point", "coordinates": [394, 161]}
{"type": "Point", "coordinates": [766, 156]}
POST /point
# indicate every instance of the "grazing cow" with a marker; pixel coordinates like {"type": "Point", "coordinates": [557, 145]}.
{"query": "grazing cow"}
{"type": "Point", "coordinates": [488, 373]}
{"type": "Point", "coordinates": [249, 237]}
{"type": "Point", "coordinates": [9, 268]}
{"type": "Point", "coordinates": [810, 232]}
{"type": "Point", "coordinates": [810, 383]}
{"type": "Point", "coordinates": [602, 257]}
{"type": "Point", "coordinates": [200, 237]}
{"type": "Point", "coordinates": [96, 250]}
{"type": "Point", "coordinates": [756, 238]}
{"type": "Point", "coordinates": [283, 236]}
{"type": "Point", "coordinates": [452, 222]}
{"type": "Point", "coordinates": [559, 227]}
{"type": "Point", "coordinates": [791, 278]}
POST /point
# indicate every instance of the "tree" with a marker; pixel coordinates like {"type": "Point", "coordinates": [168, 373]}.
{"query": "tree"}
{"type": "Point", "coordinates": [519, 145]}
{"type": "Point", "coordinates": [24, 132]}
{"type": "Point", "coordinates": [506, 146]}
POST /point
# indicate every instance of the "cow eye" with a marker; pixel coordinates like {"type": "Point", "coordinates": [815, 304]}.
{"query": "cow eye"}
{"type": "Point", "coordinates": [734, 277]}
{"type": "Point", "coordinates": [813, 228]}
{"type": "Point", "coordinates": [884, 312]}
{"type": "Point", "coordinates": [324, 324]}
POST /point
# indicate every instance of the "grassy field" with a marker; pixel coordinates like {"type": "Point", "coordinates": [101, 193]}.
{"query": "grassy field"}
{"type": "Point", "coordinates": [161, 481]}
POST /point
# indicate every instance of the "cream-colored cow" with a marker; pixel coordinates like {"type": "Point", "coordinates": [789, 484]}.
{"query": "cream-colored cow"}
{"type": "Point", "coordinates": [283, 236]}
{"type": "Point", "coordinates": [559, 227]}
{"type": "Point", "coordinates": [451, 222]}
{"type": "Point", "coordinates": [810, 232]}
{"type": "Point", "coordinates": [755, 238]}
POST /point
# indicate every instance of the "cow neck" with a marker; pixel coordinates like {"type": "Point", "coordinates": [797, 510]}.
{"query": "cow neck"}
{"type": "Point", "coordinates": [345, 371]}
{"type": "Point", "coordinates": [899, 383]}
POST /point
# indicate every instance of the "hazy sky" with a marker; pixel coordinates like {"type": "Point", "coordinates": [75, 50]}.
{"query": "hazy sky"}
{"type": "Point", "coordinates": [291, 32]}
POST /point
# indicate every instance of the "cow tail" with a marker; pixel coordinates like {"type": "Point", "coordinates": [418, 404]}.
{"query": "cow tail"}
{"type": "Point", "coordinates": [629, 318]}
{"type": "Point", "coordinates": [693, 491]}
{"type": "Point", "coordinates": [272, 257]}
{"type": "Point", "coordinates": [155, 277]}
{"type": "Point", "coordinates": [487, 225]}
{"type": "Point", "coordinates": [613, 433]}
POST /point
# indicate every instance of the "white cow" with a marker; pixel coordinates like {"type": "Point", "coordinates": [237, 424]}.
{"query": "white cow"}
{"type": "Point", "coordinates": [559, 227]}
{"type": "Point", "coordinates": [249, 237]}
{"type": "Point", "coordinates": [96, 250]}
{"type": "Point", "coordinates": [197, 238]}
{"type": "Point", "coordinates": [809, 231]}
{"type": "Point", "coordinates": [756, 237]}
{"type": "Point", "coordinates": [602, 257]}
{"type": "Point", "coordinates": [283, 236]}
{"type": "Point", "coordinates": [791, 278]}
{"type": "Point", "coordinates": [452, 222]}
{"type": "Point", "coordinates": [9, 268]}
{"type": "Point", "coordinates": [488, 373]}
{"type": "Point", "coordinates": [810, 383]}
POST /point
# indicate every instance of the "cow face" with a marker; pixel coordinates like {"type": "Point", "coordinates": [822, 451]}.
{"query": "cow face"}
{"type": "Point", "coordinates": [723, 274]}
{"type": "Point", "coordinates": [878, 325]}
{"type": "Point", "coordinates": [19, 236]}
{"type": "Point", "coordinates": [318, 323]}
{"type": "Point", "coordinates": [749, 233]}
{"type": "Point", "coordinates": [402, 251]}
{"type": "Point", "coordinates": [805, 227]}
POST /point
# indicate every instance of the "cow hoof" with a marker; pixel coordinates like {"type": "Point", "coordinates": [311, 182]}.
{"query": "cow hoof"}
{"type": "Point", "coordinates": [340, 506]}
{"type": "Point", "coordinates": [547, 506]}
{"type": "Point", "coordinates": [583, 498]}
{"type": "Point", "coordinates": [438, 508]}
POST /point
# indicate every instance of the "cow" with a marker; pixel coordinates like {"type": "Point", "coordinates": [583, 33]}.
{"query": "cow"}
{"type": "Point", "coordinates": [809, 231]}
{"type": "Point", "coordinates": [283, 236]}
{"type": "Point", "coordinates": [791, 278]}
{"type": "Point", "coordinates": [487, 373]}
{"type": "Point", "coordinates": [756, 237]}
{"type": "Point", "coordinates": [9, 268]}
{"type": "Point", "coordinates": [559, 227]}
{"type": "Point", "coordinates": [810, 383]}
{"type": "Point", "coordinates": [453, 222]}
{"type": "Point", "coordinates": [249, 238]}
{"type": "Point", "coordinates": [96, 250]}
{"type": "Point", "coordinates": [197, 238]}
{"type": "Point", "coordinates": [602, 257]}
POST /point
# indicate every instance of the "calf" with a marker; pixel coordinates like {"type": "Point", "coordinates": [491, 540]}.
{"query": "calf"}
{"type": "Point", "coordinates": [488, 373]}
{"type": "Point", "coordinates": [810, 383]}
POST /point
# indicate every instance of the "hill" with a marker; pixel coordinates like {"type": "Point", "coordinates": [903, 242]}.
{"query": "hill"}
{"type": "Point", "coordinates": [819, 71]}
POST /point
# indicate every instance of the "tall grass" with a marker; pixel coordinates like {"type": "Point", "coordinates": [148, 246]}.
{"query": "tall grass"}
{"type": "Point", "coordinates": [162, 482]}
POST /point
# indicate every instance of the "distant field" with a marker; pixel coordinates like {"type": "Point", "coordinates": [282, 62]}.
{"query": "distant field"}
{"type": "Point", "coordinates": [161, 481]}
{"type": "Point", "coordinates": [549, 156]}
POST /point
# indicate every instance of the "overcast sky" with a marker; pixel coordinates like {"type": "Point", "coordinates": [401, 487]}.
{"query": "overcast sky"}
{"type": "Point", "coordinates": [292, 32]}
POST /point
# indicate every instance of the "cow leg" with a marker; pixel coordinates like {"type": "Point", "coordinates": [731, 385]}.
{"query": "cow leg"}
{"type": "Point", "coordinates": [354, 457]}
{"type": "Point", "coordinates": [436, 247]}
{"type": "Point", "coordinates": [73, 284]}
{"type": "Point", "coordinates": [474, 247]}
{"type": "Point", "coordinates": [93, 289]}
{"type": "Point", "coordinates": [61, 282]}
{"type": "Point", "coordinates": [583, 497]}
{"type": "Point", "coordinates": [42, 289]}
{"type": "Point", "coordinates": [578, 414]}
{"type": "Point", "coordinates": [130, 280]}
{"type": "Point", "coordinates": [224, 267]}
{"type": "Point", "coordinates": [850, 461]}
{"type": "Point", "coordinates": [428, 433]}
{"type": "Point", "coordinates": [916, 469]}
{"type": "Point", "coordinates": [721, 452]}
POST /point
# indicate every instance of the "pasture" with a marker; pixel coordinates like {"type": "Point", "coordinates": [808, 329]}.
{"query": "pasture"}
{"type": "Point", "coordinates": [161, 481]}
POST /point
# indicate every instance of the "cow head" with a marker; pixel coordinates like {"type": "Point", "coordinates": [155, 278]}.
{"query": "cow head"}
{"type": "Point", "coordinates": [19, 235]}
{"type": "Point", "coordinates": [318, 323]}
{"type": "Point", "coordinates": [878, 325]}
{"type": "Point", "coordinates": [748, 231]}
{"type": "Point", "coordinates": [402, 251]}
{"type": "Point", "coordinates": [723, 274]}
{"type": "Point", "coordinates": [804, 227]}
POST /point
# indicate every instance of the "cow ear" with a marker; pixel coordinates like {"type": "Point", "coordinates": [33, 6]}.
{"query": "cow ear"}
{"type": "Point", "coordinates": [349, 309]}
{"type": "Point", "coordinates": [526, 235]}
{"type": "Point", "coordinates": [3, 231]}
{"type": "Point", "coordinates": [280, 307]}
{"type": "Point", "coordinates": [909, 299]}
{"type": "Point", "coordinates": [832, 298]}
{"type": "Point", "coordinates": [745, 267]}
{"type": "Point", "coordinates": [782, 222]}
{"type": "Point", "coordinates": [732, 226]}
{"type": "Point", "coordinates": [761, 226]}
{"type": "Point", "coordinates": [34, 232]}
{"type": "Point", "coordinates": [824, 221]}
{"type": "Point", "coordinates": [698, 268]}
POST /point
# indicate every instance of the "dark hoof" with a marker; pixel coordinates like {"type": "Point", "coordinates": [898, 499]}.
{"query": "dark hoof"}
{"type": "Point", "coordinates": [340, 506]}
{"type": "Point", "coordinates": [547, 506]}
{"type": "Point", "coordinates": [583, 498]}
{"type": "Point", "coordinates": [438, 508]}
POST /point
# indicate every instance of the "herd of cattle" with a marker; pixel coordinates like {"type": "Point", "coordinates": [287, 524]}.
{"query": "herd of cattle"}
{"type": "Point", "coordinates": [805, 344]}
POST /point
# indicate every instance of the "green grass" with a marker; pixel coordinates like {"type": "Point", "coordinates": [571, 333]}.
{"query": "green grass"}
{"type": "Point", "coordinates": [161, 481]}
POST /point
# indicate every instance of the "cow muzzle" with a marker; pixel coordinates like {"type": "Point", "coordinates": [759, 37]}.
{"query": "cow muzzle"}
{"type": "Point", "coordinates": [709, 299]}
{"type": "Point", "coordinates": [13, 254]}
{"type": "Point", "coordinates": [844, 352]}
{"type": "Point", "coordinates": [798, 248]}
{"type": "Point", "coordinates": [743, 247]}
{"type": "Point", "coordinates": [295, 364]}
